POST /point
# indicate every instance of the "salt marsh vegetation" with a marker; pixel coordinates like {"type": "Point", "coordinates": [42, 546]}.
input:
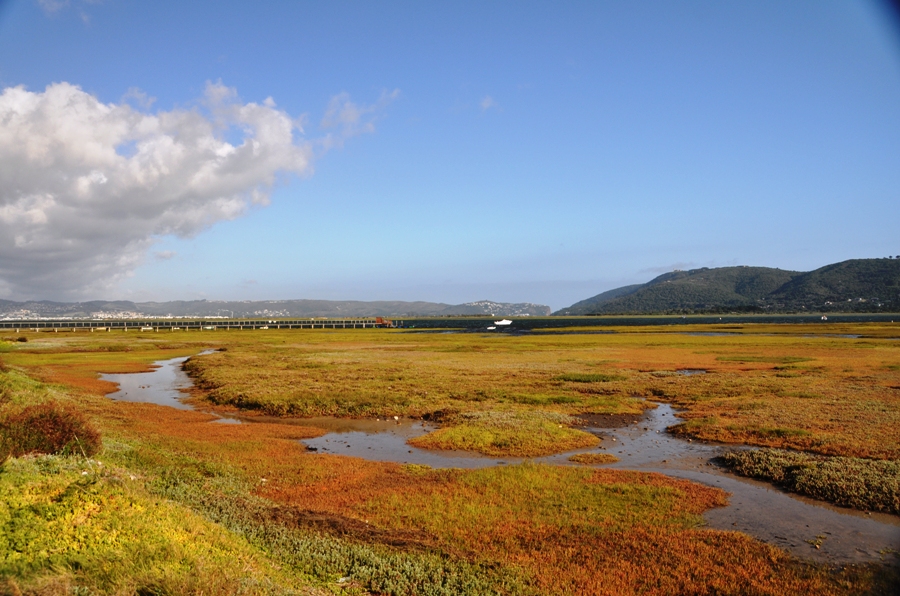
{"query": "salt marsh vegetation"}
{"type": "Point", "coordinates": [246, 508]}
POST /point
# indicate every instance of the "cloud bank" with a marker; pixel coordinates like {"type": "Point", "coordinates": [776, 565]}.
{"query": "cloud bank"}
{"type": "Point", "coordinates": [87, 187]}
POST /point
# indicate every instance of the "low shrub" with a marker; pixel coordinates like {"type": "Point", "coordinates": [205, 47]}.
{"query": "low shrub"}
{"type": "Point", "coordinates": [50, 428]}
{"type": "Point", "coordinates": [593, 458]}
{"type": "Point", "coordinates": [855, 482]}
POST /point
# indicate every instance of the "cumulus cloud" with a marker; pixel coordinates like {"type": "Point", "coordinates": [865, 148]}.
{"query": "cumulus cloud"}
{"type": "Point", "coordinates": [87, 187]}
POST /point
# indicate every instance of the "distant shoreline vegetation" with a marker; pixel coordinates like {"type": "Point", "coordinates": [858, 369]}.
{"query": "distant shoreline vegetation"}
{"type": "Point", "coordinates": [698, 324]}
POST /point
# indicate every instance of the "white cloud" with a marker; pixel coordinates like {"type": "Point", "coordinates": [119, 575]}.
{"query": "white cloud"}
{"type": "Point", "coordinates": [86, 188]}
{"type": "Point", "coordinates": [350, 119]}
{"type": "Point", "coordinates": [487, 103]}
{"type": "Point", "coordinates": [139, 98]}
{"type": "Point", "coordinates": [52, 6]}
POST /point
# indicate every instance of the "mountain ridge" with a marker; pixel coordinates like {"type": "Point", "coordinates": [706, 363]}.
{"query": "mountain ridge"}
{"type": "Point", "coordinates": [855, 285]}
{"type": "Point", "coordinates": [263, 308]}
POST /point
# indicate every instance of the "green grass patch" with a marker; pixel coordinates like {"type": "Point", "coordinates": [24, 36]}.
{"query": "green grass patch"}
{"type": "Point", "coordinates": [751, 405]}
{"type": "Point", "coordinates": [768, 359]}
{"type": "Point", "coordinates": [799, 394]}
{"type": "Point", "coordinates": [513, 433]}
{"type": "Point", "coordinates": [593, 458]}
{"type": "Point", "coordinates": [18, 389]}
{"type": "Point", "coordinates": [70, 525]}
{"type": "Point", "coordinates": [589, 377]}
{"type": "Point", "coordinates": [694, 425]}
{"type": "Point", "coordinates": [781, 433]}
{"type": "Point", "coordinates": [541, 400]}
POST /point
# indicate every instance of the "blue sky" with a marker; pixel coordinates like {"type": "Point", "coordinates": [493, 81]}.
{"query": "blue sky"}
{"type": "Point", "coordinates": [512, 151]}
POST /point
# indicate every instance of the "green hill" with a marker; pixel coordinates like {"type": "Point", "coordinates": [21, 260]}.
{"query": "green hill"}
{"type": "Point", "coordinates": [596, 301]}
{"type": "Point", "coordinates": [859, 284]}
{"type": "Point", "coordinates": [855, 285]}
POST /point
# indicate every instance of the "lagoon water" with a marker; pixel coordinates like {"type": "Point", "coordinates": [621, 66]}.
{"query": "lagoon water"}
{"type": "Point", "coordinates": [756, 508]}
{"type": "Point", "coordinates": [536, 324]}
{"type": "Point", "coordinates": [164, 386]}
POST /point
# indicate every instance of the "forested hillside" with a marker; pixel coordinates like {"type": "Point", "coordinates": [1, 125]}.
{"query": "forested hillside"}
{"type": "Point", "coordinates": [859, 285]}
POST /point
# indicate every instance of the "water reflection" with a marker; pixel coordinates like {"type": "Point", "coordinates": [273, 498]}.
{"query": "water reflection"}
{"type": "Point", "coordinates": [164, 386]}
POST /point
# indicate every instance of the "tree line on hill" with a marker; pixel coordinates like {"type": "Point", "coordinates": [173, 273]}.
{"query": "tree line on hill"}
{"type": "Point", "coordinates": [858, 285]}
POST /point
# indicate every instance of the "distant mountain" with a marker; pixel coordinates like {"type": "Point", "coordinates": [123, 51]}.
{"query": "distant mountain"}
{"type": "Point", "coordinates": [262, 308]}
{"type": "Point", "coordinates": [859, 285]}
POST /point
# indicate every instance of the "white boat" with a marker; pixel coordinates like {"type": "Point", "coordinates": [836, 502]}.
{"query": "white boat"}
{"type": "Point", "coordinates": [503, 322]}
{"type": "Point", "coordinates": [491, 328]}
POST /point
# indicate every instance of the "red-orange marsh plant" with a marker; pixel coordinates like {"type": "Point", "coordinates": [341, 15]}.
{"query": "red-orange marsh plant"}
{"type": "Point", "coordinates": [49, 428]}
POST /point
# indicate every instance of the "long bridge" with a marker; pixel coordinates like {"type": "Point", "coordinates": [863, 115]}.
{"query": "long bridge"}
{"type": "Point", "coordinates": [197, 324]}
